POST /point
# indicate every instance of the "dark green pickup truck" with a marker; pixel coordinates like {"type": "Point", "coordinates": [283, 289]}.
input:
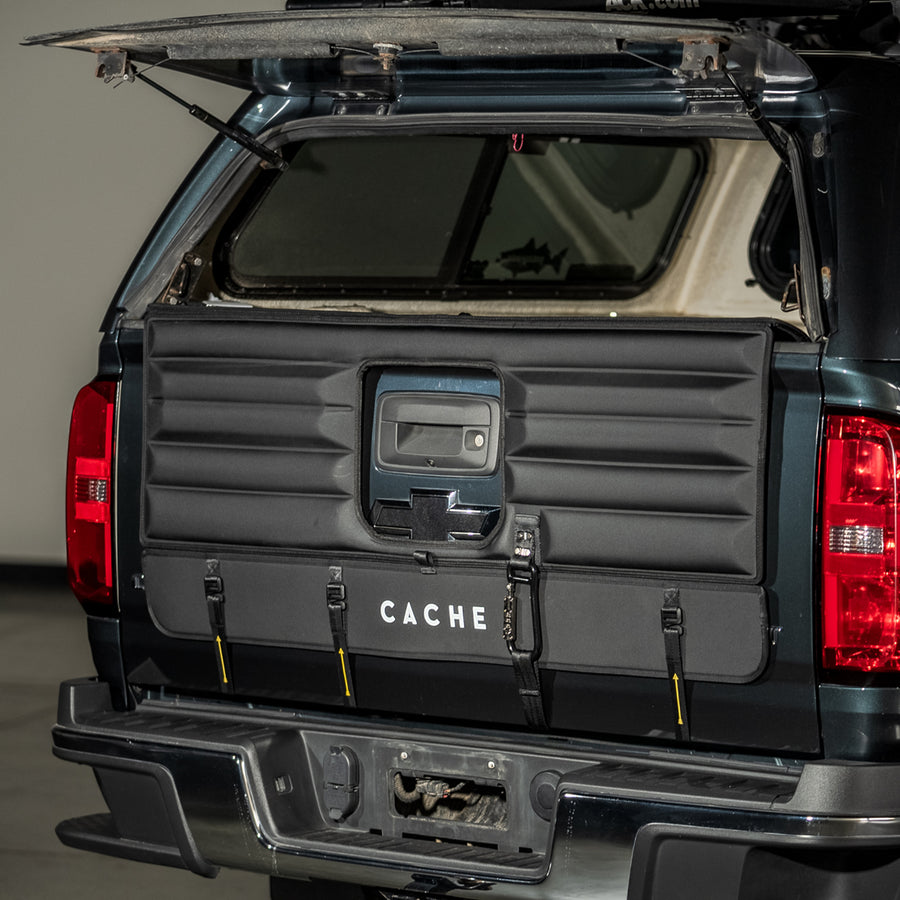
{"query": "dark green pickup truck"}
{"type": "Point", "coordinates": [491, 478]}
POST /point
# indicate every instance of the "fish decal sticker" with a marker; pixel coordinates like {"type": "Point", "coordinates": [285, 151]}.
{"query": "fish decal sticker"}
{"type": "Point", "coordinates": [531, 258]}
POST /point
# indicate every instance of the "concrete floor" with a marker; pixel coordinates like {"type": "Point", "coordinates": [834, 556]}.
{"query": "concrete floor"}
{"type": "Point", "coordinates": [43, 641]}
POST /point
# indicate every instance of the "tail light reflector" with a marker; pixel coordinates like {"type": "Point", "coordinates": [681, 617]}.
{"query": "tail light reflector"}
{"type": "Point", "coordinates": [861, 617]}
{"type": "Point", "coordinates": [88, 493]}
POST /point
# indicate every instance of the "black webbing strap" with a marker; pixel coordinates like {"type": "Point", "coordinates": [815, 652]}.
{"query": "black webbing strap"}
{"type": "Point", "coordinates": [214, 588]}
{"type": "Point", "coordinates": [672, 618]}
{"type": "Point", "coordinates": [336, 599]}
{"type": "Point", "coordinates": [522, 569]}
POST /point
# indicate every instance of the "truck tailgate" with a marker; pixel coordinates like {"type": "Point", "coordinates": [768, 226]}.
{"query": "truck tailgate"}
{"type": "Point", "coordinates": [637, 574]}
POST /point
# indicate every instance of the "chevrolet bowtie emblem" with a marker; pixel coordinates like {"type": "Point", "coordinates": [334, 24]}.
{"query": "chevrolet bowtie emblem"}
{"type": "Point", "coordinates": [433, 516]}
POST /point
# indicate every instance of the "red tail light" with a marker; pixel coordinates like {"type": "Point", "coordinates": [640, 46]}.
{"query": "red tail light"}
{"type": "Point", "coordinates": [861, 616]}
{"type": "Point", "coordinates": [89, 493]}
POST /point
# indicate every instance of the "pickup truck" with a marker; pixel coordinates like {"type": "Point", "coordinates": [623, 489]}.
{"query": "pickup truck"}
{"type": "Point", "coordinates": [490, 482]}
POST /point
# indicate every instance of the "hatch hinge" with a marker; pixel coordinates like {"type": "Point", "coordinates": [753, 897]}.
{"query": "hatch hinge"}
{"type": "Point", "coordinates": [114, 65]}
{"type": "Point", "coordinates": [346, 104]}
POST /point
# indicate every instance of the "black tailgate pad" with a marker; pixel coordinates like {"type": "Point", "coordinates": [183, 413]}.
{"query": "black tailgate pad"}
{"type": "Point", "coordinates": [629, 453]}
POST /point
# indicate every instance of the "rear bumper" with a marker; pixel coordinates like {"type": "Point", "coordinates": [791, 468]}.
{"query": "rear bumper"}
{"type": "Point", "coordinates": [205, 785]}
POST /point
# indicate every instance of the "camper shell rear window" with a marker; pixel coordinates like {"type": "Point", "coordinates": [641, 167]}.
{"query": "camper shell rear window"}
{"type": "Point", "coordinates": [463, 216]}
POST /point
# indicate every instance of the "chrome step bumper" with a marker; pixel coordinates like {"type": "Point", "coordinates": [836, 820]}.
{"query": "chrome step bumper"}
{"type": "Point", "coordinates": [205, 785]}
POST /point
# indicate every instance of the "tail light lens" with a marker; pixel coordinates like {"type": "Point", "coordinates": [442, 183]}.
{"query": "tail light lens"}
{"type": "Point", "coordinates": [861, 618]}
{"type": "Point", "coordinates": [89, 493]}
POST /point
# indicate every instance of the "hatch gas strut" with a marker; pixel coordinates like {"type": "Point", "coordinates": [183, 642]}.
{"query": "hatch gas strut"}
{"type": "Point", "coordinates": [702, 57]}
{"type": "Point", "coordinates": [808, 285]}
{"type": "Point", "coordinates": [269, 157]}
{"type": "Point", "coordinates": [115, 64]}
{"type": "Point", "coordinates": [758, 117]}
{"type": "Point", "coordinates": [705, 56]}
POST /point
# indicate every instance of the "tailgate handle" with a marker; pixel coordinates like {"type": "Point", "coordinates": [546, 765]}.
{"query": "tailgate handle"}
{"type": "Point", "coordinates": [427, 431]}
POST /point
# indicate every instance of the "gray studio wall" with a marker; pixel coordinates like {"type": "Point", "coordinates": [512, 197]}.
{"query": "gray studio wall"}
{"type": "Point", "coordinates": [85, 171]}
